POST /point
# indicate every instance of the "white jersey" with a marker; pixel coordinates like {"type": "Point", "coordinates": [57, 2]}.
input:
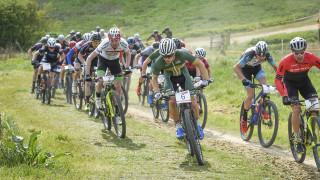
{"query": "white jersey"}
{"type": "Point", "coordinates": [108, 52]}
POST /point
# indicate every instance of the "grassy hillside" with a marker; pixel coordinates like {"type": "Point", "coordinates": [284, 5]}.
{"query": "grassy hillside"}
{"type": "Point", "coordinates": [185, 18]}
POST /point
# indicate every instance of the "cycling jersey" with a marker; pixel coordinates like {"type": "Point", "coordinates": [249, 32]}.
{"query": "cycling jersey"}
{"type": "Point", "coordinates": [191, 67]}
{"type": "Point", "coordinates": [50, 57]}
{"type": "Point", "coordinates": [64, 44]}
{"type": "Point", "coordinates": [85, 50]}
{"type": "Point", "coordinates": [108, 52]}
{"type": "Point", "coordinates": [37, 47]}
{"type": "Point", "coordinates": [156, 38]}
{"type": "Point", "coordinates": [249, 58]}
{"type": "Point", "coordinates": [74, 50]}
{"type": "Point", "coordinates": [292, 71]}
{"type": "Point", "coordinates": [147, 52]}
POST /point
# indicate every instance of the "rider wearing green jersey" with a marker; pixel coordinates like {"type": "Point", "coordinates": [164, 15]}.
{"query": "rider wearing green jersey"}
{"type": "Point", "coordinates": [175, 72]}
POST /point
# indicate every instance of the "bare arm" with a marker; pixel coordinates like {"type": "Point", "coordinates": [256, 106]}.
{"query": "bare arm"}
{"type": "Point", "coordinates": [122, 60]}
{"type": "Point", "coordinates": [155, 83]}
{"type": "Point", "coordinates": [275, 67]}
{"type": "Point", "coordinates": [80, 57]}
{"type": "Point", "coordinates": [202, 68]}
{"type": "Point", "coordinates": [35, 56]}
{"type": "Point", "coordinates": [89, 59]}
{"type": "Point", "coordinates": [209, 73]}
{"type": "Point", "coordinates": [197, 72]}
{"type": "Point", "coordinates": [144, 65]}
{"type": "Point", "coordinates": [237, 70]}
{"type": "Point", "coordinates": [137, 57]}
{"type": "Point", "coordinates": [30, 53]}
{"type": "Point", "coordinates": [128, 56]}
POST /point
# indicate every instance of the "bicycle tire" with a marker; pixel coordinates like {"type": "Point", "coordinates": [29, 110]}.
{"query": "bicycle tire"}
{"type": "Point", "coordinates": [48, 90]}
{"type": "Point", "coordinates": [69, 89]}
{"type": "Point", "coordinates": [55, 84]}
{"type": "Point", "coordinates": [315, 138]}
{"type": "Point", "coordinates": [298, 157]}
{"type": "Point", "coordinates": [78, 97]}
{"type": "Point", "coordinates": [191, 136]}
{"type": "Point", "coordinates": [124, 99]}
{"type": "Point", "coordinates": [91, 100]}
{"type": "Point", "coordinates": [250, 126]}
{"type": "Point", "coordinates": [155, 109]}
{"type": "Point", "coordinates": [43, 90]}
{"type": "Point", "coordinates": [264, 139]}
{"type": "Point", "coordinates": [37, 92]}
{"type": "Point", "coordinates": [203, 109]}
{"type": "Point", "coordinates": [127, 84]}
{"type": "Point", "coordinates": [164, 113]}
{"type": "Point", "coordinates": [118, 112]}
{"type": "Point", "coordinates": [105, 117]}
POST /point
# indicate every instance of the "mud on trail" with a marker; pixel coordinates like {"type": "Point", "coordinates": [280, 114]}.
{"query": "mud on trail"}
{"type": "Point", "coordinates": [277, 160]}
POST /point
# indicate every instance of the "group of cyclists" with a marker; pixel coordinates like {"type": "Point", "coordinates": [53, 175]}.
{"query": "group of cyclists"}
{"type": "Point", "coordinates": [180, 67]}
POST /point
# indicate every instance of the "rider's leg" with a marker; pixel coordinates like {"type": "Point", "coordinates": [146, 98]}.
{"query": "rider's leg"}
{"type": "Point", "coordinates": [63, 72]}
{"type": "Point", "coordinates": [117, 84]}
{"type": "Point", "coordinates": [173, 109]}
{"type": "Point", "coordinates": [51, 78]}
{"type": "Point", "coordinates": [295, 118]}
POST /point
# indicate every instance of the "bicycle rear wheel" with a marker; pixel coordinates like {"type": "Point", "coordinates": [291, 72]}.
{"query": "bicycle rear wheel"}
{"type": "Point", "coordinates": [48, 90]}
{"type": "Point", "coordinates": [268, 124]}
{"type": "Point", "coordinates": [124, 99]}
{"type": "Point", "coordinates": [203, 111]}
{"type": "Point", "coordinates": [55, 84]}
{"type": "Point", "coordinates": [164, 112]}
{"type": "Point", "coordinates": [250, 126]}
{"type": "Point", "coordinates": [315, 140]}
{"type": "Point", "coordinates": [191, 136]}
{"type": "Point", "coordinates": [118, 120]}
{"type": "Point", "coordinates": [155, 109]}
{"type": "Point", "coordinates": [298, 157]}
{"type": "Point", "coordinates": [69, 89]}
{"type": "Point", "coordinates": [78, 97]}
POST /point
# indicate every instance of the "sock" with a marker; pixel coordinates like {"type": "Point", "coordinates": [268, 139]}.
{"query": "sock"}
{"type": "Point", "coordinates": [150, 92]}
{"type": "Point", "coordinates": [198, 121]}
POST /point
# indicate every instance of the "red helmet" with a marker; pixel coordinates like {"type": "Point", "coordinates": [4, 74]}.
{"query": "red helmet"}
{"type": "Point", "coordinates": [114, 33]}
{"type": "Point", "coordinates": [183, 44]}
{"type": "Point", "coordinates": [72, 44]}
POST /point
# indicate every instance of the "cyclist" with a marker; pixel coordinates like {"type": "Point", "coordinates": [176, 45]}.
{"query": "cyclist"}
{"type": "Point", "coordinates": [36, 47]}
{"type": "Point", "coordinates": [292, 77]}
{"type": "Point", "coordinates": [86, 38]}
{"type": "Point", "coordinates": [134, 49]}
{"type": "Point", "coordinates": [50, 55]}
{"type": "Point", "coordinates": [139, 42]}
{"type": "Point", "coordinates": [109, 53]}
{"type": "Point", "coordinates": [65, 61]}
{"type": "Point", "coordinates": [145, 55]}
{"type": "Point", "coordinates": [173, 63]}
{"type": "Point", "coordinates": [250, 64]}
{"type": "Point", "coordinates": [77, 37]}
{"type": "Point", "coordinates": [167, 32]}
{"type": "Point", "coordinates": [200, 53]}
{"type": "Point", "coordinates": [155, 35]}
{"type": "Point", "coordinates": [103, 33]}
{"type": "Point", "coordinates": [71, 35]}
{"type": "Point", "coordinates": [61, 40]}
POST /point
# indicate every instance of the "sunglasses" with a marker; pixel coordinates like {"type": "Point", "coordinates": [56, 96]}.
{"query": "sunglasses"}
{"type": "Point", "coordinates": [299, 54]}
{"type": "Point", "coordinates": [262, 55]}
{"type": "Point", "coordinates": [95, 42]}
{"type": "Point", "coordinates": [51, 47]}
{"type": "Point", "coordinates": [168, 56]}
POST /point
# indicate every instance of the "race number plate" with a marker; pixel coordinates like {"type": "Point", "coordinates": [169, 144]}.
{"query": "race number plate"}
{"type": "Point", "coordinates": [46, 66]}
{"type": "Point", "coordinates": [161, 79]}
{"type": "Point", "coordinates": [183, 97]}
{"type": "Point", "coordinates": [312, 104]}
{"type": "Point", "coordinates": [108, 79]}
{"type": "Point", "coordinates": [268, 88]}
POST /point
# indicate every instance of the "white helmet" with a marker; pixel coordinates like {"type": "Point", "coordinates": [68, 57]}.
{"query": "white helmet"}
{"type": "Point", "coordinates": [136, 36]}
{"type": "Point", "coordinates": [200, 52]}
{"type": "Point", "coordinates": [51, 42]}
{"type": "Point", "coordinates": [298, 44]}
{"type": "Point", "coordinates": [86, 37]}
{"type": "Point", "coordinates": [114, 33]}
{"type": "Point", "coordinates": [48, 36]}
{"type": "Point", "coordinates": [59, 45]}
{"type": "Point", "coordinates": [262, 48]}
{"type": "Point", "coordinates": [102, 31]}
{"type": "Point", "coordinates": [61, 37]}
{"type": "Point", "coordinates": [167, 47]}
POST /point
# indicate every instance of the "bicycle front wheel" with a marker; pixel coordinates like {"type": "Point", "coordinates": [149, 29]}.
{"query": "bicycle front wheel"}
{"type": "Point", "coordinates": [78, 97]}
{"type": "Point", "coordinates": [48, 90]}
{"type": "Point", "coordinates": [105, 115]}
{"type": "Point", "coordinates": [315, 140]}
{"type": "Point", "coordinates": [69, 89]}
{"type": "Point", "coordinates": [191, 132]}
{"type": "Point", "coordinates": [124, 100]}
{"type": "Point", "coordinates": [164, 110]}
{"type": "Point", "coordinates": [155, 109]}
{"type": "Point", "coordinates": [203, 111]}
{"type": "Point", "coordinates": [250, 126]}
{"type": "Point", "coordinates": [268, 124]}
{"type": "Point", "coordinates": [298, 157]}
{"type": "Point", "coordinates": [119, 121]}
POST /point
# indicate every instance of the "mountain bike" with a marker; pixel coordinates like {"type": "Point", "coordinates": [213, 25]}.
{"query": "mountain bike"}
{"type": "Point", "coordinates": [264, 113]}
{"type": "Point", "coordinates": [125, 89]}
{"type": "Point", "coordinates": [309, 130]}
{"type": "Point", "coordinates": [144, 91]}
{"type": "Point", "coordinates": [161, 106]}
{"type": "Point", "coordinates": [93, 110]}
{"type": "Point", "coordinates": [189, 123]}
{"type": "Point", "coordinates": [78, 97]}
{"type": "Point", "coordinates": [68, 84]}
{"type": "Point", "coordinates": [56, 81]}
{"type": "Point", "coordinates": [202, 103]}
{"type": "Point", "coordinates": [111, 107]}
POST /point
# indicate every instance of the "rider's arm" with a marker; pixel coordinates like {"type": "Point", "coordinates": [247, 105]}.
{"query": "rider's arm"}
{"type": "Point", "coordinates": [237, 70]}
{"type": "Point", "coordinates": [198, 63]}
{"type": "Point", "coordinates": [35, 55]}
{"type": "Point", "coordinates": [272, 62]}
{"type": "Point", "coordinates": [89, 59]}
{"type": "Point", "coordinates": [279, 76]}
{"type": "Point", "coordinates": [121, 58]}
{"type": "Point", "coordinates": [70, 53]}
{"type": "Point", "coordinates": [137, 58]}
{"type": "Point", "coordinates": [197, 72]}
{"type": "Point", "coordinates": [209, 72]}
{"type": "Point", "coordinates": [80, 57]}
{"type": "Point", "coordinates": [30, 53]}
{"type": "Point", "coordinates": [128, 57]}
{"type": "Point", "coordinates": [144, 65]}
{"type": "Point", "coordinates": [275, 67]}
{"type": "Point", "coordinates": [155, 83]}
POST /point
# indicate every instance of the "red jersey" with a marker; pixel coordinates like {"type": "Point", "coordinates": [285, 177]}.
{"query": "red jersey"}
{"type": "Point", "coordinates": [191, 67]}
{"type": "Point", "coordinates": [290, 70]}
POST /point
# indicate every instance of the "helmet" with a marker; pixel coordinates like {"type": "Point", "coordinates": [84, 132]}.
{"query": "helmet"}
{"type": "Point", "coordinates": [86, 37]}
{"type": "Point", "coordinates": [298, 44]}
{"type": "Point", "coordinates": [61, 37]}
{"type": "Point", "coordinates": [48, 36]}
{"type": "Point", "coordinates": [98, 28]}
{"type": "Point", "coordinates": [102, 31]}
{"type": "Point", "coordinates": [59, 45]}
{"type": "Point", "coordinates": [72, 32]}
{"type": "Point", "coordinates": [72, 44]}
{"type": "Point", "coordinates": [200, 52]}
{"type": "Point", "coordinates": [44, 40]}
{"type": "Point", "coordinates": [178, 43]}
{"type": "Point", "coordinates": [136, 36]}
{"type": "Point", "coordinates": [78, 35]}
{"type": "Point", "coordinates": [183, 44]}
{"type": "Point", "coordinates": [114, 33]}
{"type": "Point", "coordinates": [167, 47]}
{"type": "Point", "coordinates": [155, 32]}
{"type": "Point", "coordinates": [166, 29]}
{"type": "Point", "coordinates": [92, 32]}
{"type": "Point", "coordinates": [51, 42]}
{"type": "Point", "coordinates": [155, 45]}
{"type": "Point", "coordinates": [130, 41]}
{"type": "Point", "coordinates": [95, 37]}
{"type": "Point", "coordinates": [261, 48]}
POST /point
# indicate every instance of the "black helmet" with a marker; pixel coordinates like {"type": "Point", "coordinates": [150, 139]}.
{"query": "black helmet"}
{"type": "Point", "coordinates": [78, 35]}
{"type": "Point", "coordinates": [166, 29]}
{"type": "Point", "coordinates": [155, 32]}
{"type": "Point", "coordinates": [95, 37]}
{"type": "Point", "coordinates": [72, 32]}
{"type": "Point", "coordinates": [44, 40]}
{"type": "Point", "coordinates": [155, 45]}
{"type": "Point", "coordinates": [177, 42]}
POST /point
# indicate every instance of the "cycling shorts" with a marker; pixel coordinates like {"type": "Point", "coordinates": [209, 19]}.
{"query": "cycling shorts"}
{"type": "Point", "coordinates": [113, 65]}
{"type": "Point", "coordinates": [256, 71]}
{"type": "Point", "coordinates": [184, 80]}
{"type": "Point", "coordinates": [305, 88]}
{"type": "Point", "coordinates": [193, 73]}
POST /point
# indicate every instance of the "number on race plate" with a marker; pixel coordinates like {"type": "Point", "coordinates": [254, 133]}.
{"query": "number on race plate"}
{"type": "Point", "coordinates": [161, 79]}
{"type": "Point", "coordinates": [108, 79]}
{"type": "Point", "coordinates": [183, 97]}
{"type": "Point", "coordinates": [46, 66]}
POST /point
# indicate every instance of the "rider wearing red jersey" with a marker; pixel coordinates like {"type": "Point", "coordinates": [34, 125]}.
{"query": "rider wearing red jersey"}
{"type": "Point", "coordinates": [292, 77]}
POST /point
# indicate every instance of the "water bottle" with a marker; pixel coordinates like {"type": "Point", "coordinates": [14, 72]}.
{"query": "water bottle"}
{"type": "Point", "coordinates": [59, 82]}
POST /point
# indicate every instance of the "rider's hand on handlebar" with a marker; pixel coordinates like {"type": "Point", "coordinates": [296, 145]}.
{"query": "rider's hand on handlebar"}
{"type": "Point", "coordinates": [158, 96]}
{"type": "Point", "coordinates": [144, 76]}
{"type": "Point", "coordinates": [88, 77]}
{"type": "Point", "coordinates": [286, 100]}
{"type": "Point", "coordinates": [204, 83]}
{"type": "Point", "coordinates": [33, 62]}
{"type": "Point", "coordinates": [246, 82]}
{"type": "Point", "coordinates": [211, 80]}
{"type": "Point", "coordinates": [197, 79]}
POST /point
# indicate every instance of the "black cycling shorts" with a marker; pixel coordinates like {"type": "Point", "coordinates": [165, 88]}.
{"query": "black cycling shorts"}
{"type": "Point", "coordinates": [305, 88]}
{"type": "Point", "coordinates": [113, 65]}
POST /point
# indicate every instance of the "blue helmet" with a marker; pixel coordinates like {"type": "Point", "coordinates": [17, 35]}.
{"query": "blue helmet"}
{"type": "Point", "coordinates": [130, 40]}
